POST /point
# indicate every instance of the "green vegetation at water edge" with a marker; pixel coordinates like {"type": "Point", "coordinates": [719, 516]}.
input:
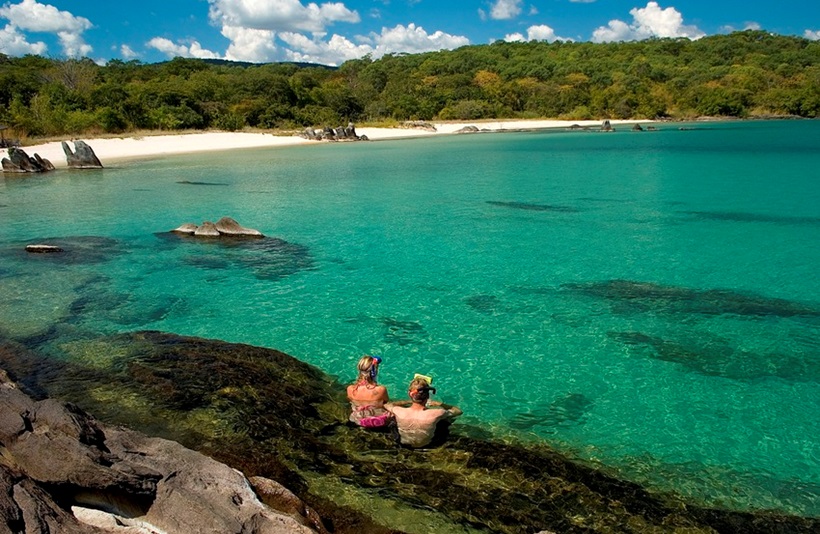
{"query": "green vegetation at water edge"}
{"type": "Point", "coordinates": [749, 73]}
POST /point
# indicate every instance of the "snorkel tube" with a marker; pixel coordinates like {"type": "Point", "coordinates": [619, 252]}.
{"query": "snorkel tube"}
{"type": "Point", "coordinates": [374, 367]}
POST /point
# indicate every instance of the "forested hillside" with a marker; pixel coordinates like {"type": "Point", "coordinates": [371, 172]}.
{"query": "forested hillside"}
{"type": "Point", "coordinates": [741, 74]}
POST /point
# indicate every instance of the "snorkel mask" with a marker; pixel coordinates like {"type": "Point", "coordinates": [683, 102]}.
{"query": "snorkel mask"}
{"type": "Point", "coordinates": [374, 367]}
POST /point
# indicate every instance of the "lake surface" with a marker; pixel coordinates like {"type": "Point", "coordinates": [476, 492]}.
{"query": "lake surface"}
{"type": "Point", "coordinates": [647, 301]}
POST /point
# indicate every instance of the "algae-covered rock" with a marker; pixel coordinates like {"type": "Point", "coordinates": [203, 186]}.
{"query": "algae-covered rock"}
{"type": "Point", "coordinates": [273, 416]}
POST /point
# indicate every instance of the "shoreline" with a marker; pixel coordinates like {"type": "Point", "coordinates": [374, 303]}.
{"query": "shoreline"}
{"type": "Point", "coordinates": [137, 147]}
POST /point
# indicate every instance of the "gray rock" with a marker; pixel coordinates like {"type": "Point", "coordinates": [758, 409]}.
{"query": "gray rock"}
{"type": "Point", "coordinates": [55, 452]}
{"type": "Point", "coordinates": [228, 226]}
{"type": "Point", "coordinates": [43, 249]}
{"type": "Point", "coordinates": [468, 129]}
{"type": "Point", "coordinates": [83, 156]}
{"type": "Point", "coordinates": [185, 228]}
{"type": "Point", "coordinates": [207, 229]}
{"type": "Point", "coordinates": [20, 162]}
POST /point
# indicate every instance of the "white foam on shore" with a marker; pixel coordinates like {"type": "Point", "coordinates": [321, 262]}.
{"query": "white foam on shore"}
{"type": "Point", "coordinates": [113, 149]}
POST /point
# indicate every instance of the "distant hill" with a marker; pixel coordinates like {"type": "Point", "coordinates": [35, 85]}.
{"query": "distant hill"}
{"type": "Point", "coordinates": [246, 64]}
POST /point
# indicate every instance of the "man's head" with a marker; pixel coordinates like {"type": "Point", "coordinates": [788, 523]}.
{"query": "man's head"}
{"type": "Point", "coordinates": [419, 390]}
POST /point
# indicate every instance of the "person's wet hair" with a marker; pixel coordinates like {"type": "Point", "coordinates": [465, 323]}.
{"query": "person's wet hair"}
{"type": "Point", "coordinates": [419, 390]}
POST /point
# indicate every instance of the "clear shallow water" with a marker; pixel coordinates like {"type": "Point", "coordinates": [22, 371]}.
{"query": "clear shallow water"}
{"type": "Point", "coordinates": [643, 300]}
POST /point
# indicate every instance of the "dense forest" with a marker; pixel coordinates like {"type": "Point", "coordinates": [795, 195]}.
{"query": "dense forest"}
{"type": "Point", "coordinates": [742, 74]}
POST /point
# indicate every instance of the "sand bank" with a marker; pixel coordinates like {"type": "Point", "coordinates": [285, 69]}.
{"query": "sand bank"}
{"type": "Point", "coordinates": [113, 149]}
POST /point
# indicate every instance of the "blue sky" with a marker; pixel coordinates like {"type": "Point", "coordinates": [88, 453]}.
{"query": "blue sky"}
{"type": "Point", "coordinates": [335, 31]}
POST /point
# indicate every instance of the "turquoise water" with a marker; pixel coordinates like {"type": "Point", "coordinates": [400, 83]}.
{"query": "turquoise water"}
{"type": "Point", "coordinates": [646, 301]}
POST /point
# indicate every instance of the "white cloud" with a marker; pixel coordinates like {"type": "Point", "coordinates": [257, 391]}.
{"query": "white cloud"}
{"type": "Point", "coordinates": [335, 51]}
{"type": "Point", "coordinates": [505, 9]}
{"type": "Point", "coordinates": [649, 21]}
{"type": "Point", "coordinates": [582, 1]}
{"type": "Point", "coordinates": [247, 44]}
{"type": "Point", "coordinates": [409, 39]}
{"type": "Point", "coordinates": [13, 43]}
{"type": "Point", "coordinates": [127, 52]}
{"type": "Point", "coordinates": [32, 16]}
{"type": "Point", "coordinates": [414, 39]}
{"type": "Point", "coordinates": [814, 35]}
{"type": "Point", "coordinates": [279, 15]}
{"type": "Point", "coordinates": [171, 49]}
{"type": "Point", "coordinates": [540, 32]}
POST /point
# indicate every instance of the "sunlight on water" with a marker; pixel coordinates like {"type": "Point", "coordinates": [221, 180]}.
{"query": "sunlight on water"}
{"type": "Point", "coordinates": [646, 301]}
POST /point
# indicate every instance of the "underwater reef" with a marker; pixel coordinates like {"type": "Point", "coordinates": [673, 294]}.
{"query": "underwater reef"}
{"type": "Point", "coordinates": [268, 414]}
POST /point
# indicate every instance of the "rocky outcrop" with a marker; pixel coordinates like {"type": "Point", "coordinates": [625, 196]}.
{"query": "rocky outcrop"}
{"type": "Point", "coordinates": [43, 249]}
{"type": "Point", "coordinates": [20, 162]}
{"type": "Point", "coordinates": [224, 227]}
{"type": "Point", "coordinates": [57, 458]}
{"type": "Point", "coordinates": [83, 156]}
{"type": "Point", "coordinates": [468, 129]}
{"type": "Point", "coordinates": [334, 134]}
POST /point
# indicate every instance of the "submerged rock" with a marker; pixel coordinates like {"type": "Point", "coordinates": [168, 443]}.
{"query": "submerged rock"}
{"type": "Point", "coordinates": [83, 156]}
{"type": "Point", "coordinates": [43, 249]}
{"type": "Point", "coordinates": [275, 417]}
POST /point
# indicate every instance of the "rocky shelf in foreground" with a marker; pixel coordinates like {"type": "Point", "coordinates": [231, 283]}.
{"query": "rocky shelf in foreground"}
{"type": "Point", "coordinates": [270, 415]}
{"type": "Point", "coordinates": [63, 471]}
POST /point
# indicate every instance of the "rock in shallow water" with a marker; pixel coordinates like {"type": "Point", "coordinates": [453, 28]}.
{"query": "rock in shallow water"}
{"type": "Point", "coordinates": [273, 416]}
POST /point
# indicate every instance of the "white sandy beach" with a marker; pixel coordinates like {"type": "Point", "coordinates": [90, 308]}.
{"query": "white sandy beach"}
{"type": "Point", "coordinates": [113, 149]}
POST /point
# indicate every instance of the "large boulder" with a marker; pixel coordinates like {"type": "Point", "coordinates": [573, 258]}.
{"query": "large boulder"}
{"type": "Point", "coordinates": [83, 156]}
{"type": "Point", "coordinates": [57, 457]}
{"type": "Point", "coordinates": [20, 162]}
{"type": "Point", "coordinates": [226, 226]}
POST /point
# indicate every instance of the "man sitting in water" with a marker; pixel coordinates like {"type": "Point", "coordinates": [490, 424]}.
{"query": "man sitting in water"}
{"type": "Point", "coordinates": [417, 423]}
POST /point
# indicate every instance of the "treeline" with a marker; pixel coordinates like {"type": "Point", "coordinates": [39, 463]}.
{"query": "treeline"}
{"type": "Point", "coordinates": [740, 75]}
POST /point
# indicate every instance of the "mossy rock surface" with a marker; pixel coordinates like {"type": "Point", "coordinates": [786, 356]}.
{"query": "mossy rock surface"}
{"type": "Point", "coordinates": [269, 414]}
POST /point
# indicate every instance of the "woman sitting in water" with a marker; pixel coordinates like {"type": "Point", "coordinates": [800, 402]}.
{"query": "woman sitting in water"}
{"type": "Point", "coordinates": [367, 398]}
{"type": "Point", "coordinates": [419, 422]}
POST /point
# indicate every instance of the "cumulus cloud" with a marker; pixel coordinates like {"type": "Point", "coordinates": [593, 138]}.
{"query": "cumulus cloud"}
{"type": "Point", "coordinates": [334, 51]}
{"type": "Point", "coordinates": [171, 49]}
{"type": "Point", "coordinates": [248, 44]}
{"type": "Point", "coordinates": [13, 43]}
{"type": "Point", "coordinates": [127, 52]}
{"type": "Point", "coordinates": [505, 9]}
{"type": "Point", "coordinates": [814, 35]}
{"type": "Point", "coordinates": [279, 15]}
{"type": "Point", "coordinates": [252, 26]}
{"type": "Point", "coordinates": [259, 45]}
{"type": "Point", "coordinates": [32, 16]}
{"type": "Point", "coordinates": [413, 40]}
{"type": "Point", "coordinates": [649, 21]}
{"type": "Point", "coordinates": [540, 32]}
